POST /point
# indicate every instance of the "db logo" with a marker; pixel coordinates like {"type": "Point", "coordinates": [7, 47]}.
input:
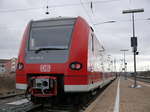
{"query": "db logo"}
{"type": "Point", "coordinates": [45, 68]}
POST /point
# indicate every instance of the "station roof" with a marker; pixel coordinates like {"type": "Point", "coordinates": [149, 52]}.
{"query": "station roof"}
{"type": "Point", "coordinates": [4, 60]}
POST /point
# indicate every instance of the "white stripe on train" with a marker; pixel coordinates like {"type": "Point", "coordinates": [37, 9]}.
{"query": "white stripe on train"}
{"type": "Point", "coordinates": [74, 88]}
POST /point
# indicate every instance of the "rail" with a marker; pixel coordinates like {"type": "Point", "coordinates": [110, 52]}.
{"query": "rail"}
{"type": "Point", "coordinates": [11, 95]}
{"type": "Point", "coordinates": [143, 79]}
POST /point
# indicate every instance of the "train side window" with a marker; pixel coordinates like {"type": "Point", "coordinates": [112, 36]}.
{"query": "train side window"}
{"type": "Point", "coordinates": [92, 43]}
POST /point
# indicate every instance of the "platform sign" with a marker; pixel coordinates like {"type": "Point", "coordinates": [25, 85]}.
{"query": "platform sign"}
{"type": "Point", "coordinates": [133, 41]}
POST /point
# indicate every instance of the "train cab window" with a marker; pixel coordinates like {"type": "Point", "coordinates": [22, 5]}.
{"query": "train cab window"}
{"type": "Point", "coordinates": [53, 36]}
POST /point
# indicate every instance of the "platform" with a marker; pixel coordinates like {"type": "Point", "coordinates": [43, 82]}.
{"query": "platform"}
{"type": "Point", "coordinates": [120, 97]}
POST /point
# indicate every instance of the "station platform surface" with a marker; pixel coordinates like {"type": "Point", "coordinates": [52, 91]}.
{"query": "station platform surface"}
{"type": "Point", "coordinates": [121, 97]}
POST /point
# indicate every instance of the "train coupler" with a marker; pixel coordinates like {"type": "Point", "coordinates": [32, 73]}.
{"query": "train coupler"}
{"type": "Point", "coordinates": [43, 86]}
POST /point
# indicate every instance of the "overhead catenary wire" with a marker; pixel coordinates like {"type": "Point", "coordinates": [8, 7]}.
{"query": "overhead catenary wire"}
{"type": "Point", "coordinates": [85, 10]}
{"type": "Point", "coordinates": [3, 26]}
{"type": "Point", "coordinates": [118, 21]}
{"type": "Point", "coordinates": [90, 17]}
{"type": "Point", "coordinates": [53, 6]}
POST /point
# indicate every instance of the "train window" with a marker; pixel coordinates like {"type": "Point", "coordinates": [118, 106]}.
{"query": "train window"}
{"type": "Point", "coordinates": [55, 36]}
{"type": "Point", "coordinates": [92, 43]}
{"type": "Point", "coordinates": [51, 37]}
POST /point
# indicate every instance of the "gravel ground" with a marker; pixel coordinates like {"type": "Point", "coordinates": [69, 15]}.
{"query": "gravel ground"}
{"type": "Point", "coordinates": [134, 99]}
{"type": "Point", "coordinates": [7, 84]}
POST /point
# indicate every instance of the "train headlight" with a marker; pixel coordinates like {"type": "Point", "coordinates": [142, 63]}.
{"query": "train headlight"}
{"type": "Point", "coordinates": [20, 66]}
{"type": "Point", "coordinates": [75, 66]}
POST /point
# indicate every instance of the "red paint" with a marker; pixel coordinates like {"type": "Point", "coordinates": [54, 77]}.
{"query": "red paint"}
{"type": "Point", "coordinates": [78, 52]}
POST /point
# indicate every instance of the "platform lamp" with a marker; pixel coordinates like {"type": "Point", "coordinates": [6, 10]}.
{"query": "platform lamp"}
{"type": "Point", "coordinates": [134, 39]}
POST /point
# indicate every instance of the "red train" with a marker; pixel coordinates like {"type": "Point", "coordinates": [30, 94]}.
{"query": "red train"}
{"type": "Point", "coordinates": [60, 56]}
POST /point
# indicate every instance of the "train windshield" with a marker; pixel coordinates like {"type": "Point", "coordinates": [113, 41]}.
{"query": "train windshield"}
{"type": "Point", "coordinates": [54, 36]}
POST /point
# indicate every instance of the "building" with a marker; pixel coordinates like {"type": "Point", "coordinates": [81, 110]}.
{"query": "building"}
{"type": "Point", "coordinates": [11, 65]}
{"type": "Point", "coordinates": [14, 62]}
{"type": "Point", "coordinates": [8, 65]}
{"type": "Point", "coordinates": [3, 65]}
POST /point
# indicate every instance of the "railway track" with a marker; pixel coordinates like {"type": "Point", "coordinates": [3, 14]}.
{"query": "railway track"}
{"type": "Point", "coordinates": [18, 103]}
{"type": "Point", "coordinates": [143, 79]}
{"type": "Point", "coordinates": [56, 108]}
{"type": "Point", "coordinates": [11, 95]}
{"type": "Point", "coordinates": [69, 107]}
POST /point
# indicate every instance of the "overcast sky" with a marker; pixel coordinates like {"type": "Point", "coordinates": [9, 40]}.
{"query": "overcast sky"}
{"type": "Point", "coordinates": [15, 14]}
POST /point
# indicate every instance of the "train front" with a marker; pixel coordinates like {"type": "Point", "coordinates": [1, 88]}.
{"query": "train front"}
{"type": "Point", "coordinates": [43, 56]}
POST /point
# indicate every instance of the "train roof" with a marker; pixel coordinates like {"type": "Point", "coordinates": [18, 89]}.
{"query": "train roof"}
{"type": "Point", "coordinates": [56, 18]}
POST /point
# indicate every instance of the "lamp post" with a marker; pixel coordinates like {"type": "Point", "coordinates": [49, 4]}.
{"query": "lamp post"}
{"type": "Point", "coordinates": [125, 64]}
{"type": "Point", "coordinates": [134, 39]}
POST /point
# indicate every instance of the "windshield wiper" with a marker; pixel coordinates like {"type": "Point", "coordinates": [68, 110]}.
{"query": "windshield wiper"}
{"type": "Point", "coordinates": [42, 49]}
